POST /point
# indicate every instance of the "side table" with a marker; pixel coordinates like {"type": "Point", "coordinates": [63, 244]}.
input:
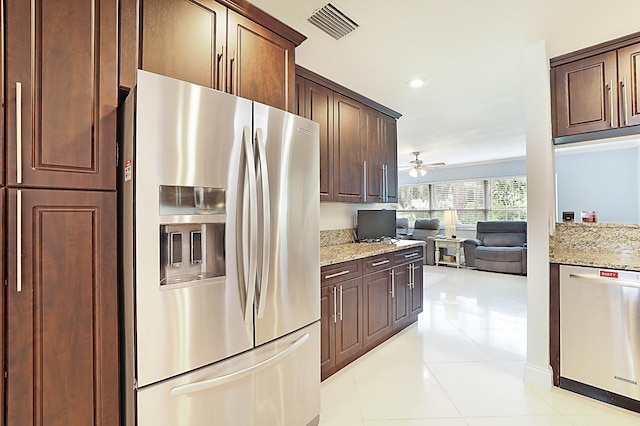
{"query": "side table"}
{"type": "Point", "coordinates": [448, 243]}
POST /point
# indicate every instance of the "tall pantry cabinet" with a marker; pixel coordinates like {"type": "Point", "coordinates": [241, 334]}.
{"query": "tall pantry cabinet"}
{"type": "Point", "coordinates": [59, 212]}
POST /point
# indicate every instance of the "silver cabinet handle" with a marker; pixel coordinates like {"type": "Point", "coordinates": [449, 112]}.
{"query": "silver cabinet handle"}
{"type": "Point", "coordinates": [382, 183]}
{"type": "Point", "coordinates": [19, 132]}
{"type": "Point", "coordinates": [386, 183]}
{"type": "Point", "coordinates": [263, 177]}
{"type": "Point", "coordinates": [410, 269]}
{"type": "Point", "coordinates": [237, 375]}
{"type": "Point", "coordinates": [249, 208]}
{"type": "Point", "coordinates": [624, 101]}
{"type": "Point", "coordinates": [382, 262]}
{"type": "Point", "coordinates": [232, 64]}
{"type": "Point", "coordinates": [393, 284]}
{"type": "Point", "coordinates": [19, 241]}
{"type": "Point", "coordinates": [364, 180]}
{"type": "Point", "coordinates": [335, 304]}
{"type": "Point", "coordinates": [340, 303]}
{"type": "Point", "coordinates": [611, 102]}
{"type": "Point", "coordinates": [337, 274]}
{"type": "Point", "coordinates": [409, 256]}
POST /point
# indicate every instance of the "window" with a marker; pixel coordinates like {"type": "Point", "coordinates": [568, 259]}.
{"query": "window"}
{"type": "Point", "coordinates": [474, 200]}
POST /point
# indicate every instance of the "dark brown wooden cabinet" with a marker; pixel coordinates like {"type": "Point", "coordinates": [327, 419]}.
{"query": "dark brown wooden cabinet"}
{"type": "Point", "coordinates": [629, 80]}
{"type": "Point", "coordinates": [377, 306]}
{"type": "Point", "coordinates": [260, 64]}
{"type": "Point", "coordinates": [170, 46]}
{"type": "Point", "coordinates": [62, 94]}
{"type": "Point", "coordinates": [61, 339]}
{"type": "Point", "coordinates": [318, 106]}
{"type": "Point", "coordinates": [364, 302]}
{"type": "Point", "coordinates": [595, 93]}
{"type": "Point", "coordinates": [358, 141]}
{"type": "Point", "coordinates": [236, 48]}
{"type": "Point", "coordinates": [349, 171]}
{"type": "Point", "coordinates": [586, 95]}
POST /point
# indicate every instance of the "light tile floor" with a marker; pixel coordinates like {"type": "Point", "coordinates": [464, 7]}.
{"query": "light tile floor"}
{"type": "Point", "coordinates": [461, 364]}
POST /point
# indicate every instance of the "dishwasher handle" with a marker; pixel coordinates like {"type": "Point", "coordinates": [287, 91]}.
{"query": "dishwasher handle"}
{"type": "Point", "coordinates": [607, 281]}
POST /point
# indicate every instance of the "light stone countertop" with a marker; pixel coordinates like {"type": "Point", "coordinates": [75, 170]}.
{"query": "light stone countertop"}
{"type": "Point", "coordinates": [332, 254]}
{"type": "Point", "coordinates": [601, 245]}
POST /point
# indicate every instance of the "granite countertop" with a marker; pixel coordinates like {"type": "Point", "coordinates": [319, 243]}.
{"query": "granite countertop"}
{"type": "Point", "coordinates": [600, 245]}
{"type": "Point", "coordinates": [337, 253]}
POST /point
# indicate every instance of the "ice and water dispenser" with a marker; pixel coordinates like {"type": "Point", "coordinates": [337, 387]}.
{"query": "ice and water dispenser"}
{"type": "Point", "coordinates": [192, 246]}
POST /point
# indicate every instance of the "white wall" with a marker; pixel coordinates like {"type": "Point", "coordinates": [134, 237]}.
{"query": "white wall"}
{"type": "Point", "coordinates": [604, 180]}
{"type": "Point", "coordinates": [540, 211]}
{"type": "Point", "coordinates": [342, 215]}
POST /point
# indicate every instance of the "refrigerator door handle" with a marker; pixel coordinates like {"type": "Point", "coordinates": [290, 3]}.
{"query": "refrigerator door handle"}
{"type": "Point", "coordinates": [249, 208]}
{"type": "Point", "coordinates": [266, 223]}
{"type": "Point", "coordinates": [237, 375]}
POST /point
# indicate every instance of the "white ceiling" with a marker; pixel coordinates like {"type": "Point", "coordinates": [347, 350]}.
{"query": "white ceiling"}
{"type": "Point", "coordinates": [471, 53]}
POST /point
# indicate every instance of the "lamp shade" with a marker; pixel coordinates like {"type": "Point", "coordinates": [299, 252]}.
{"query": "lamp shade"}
{"type": "Point", "coordinates": [450, 218]}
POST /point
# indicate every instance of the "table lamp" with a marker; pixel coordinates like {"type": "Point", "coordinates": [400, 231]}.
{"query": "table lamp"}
{"type": "Point", "coordinates": [450, 220]}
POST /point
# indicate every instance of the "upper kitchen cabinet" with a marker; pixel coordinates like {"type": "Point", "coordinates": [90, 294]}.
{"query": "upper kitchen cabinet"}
{"type": "Point", "coordinates": [229, 45]}
{"type": "Point", "coordinates": [261, 64]}
{"type": "Point", "coordinates": [629, 77]}
{"type": "Point", "coordinates": [349, 168]}
{"type": "Point", "coordinates": [184, 40]}
{"type": "Point", "coordinates": [595, 91]}
{"type": "Point", "coordinates": [61, 93]}
{"type": "Point", "coordinates": [358, 141]}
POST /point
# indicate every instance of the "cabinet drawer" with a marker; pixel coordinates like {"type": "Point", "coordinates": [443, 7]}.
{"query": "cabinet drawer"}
{"type": "Point", "coordinates": [332, 274]}
{"type": "Point", "coordinates": [377, 263]}
{"type": "Point", "coordinates": [408, 255]}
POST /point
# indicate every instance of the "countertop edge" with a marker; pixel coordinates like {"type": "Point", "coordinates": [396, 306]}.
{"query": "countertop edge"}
{"type": "Point", "coordinates": [334, 254]}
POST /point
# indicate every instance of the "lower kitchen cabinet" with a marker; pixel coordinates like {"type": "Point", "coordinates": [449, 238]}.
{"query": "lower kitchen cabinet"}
{"type": "Point", "coordinates": [377, 307]}
{"type": "Point", "coordinates": [61, 308]}
{"type": "Point", "coordinates": [364, 302]}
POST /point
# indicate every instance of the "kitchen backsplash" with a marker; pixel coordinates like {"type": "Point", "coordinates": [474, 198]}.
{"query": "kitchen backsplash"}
{"type": "Point", "coordinates": [333, 237]}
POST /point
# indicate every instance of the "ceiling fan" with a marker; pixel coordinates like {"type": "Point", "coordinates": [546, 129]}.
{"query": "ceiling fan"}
{"type": "Point", "coordinates": [418, 167]}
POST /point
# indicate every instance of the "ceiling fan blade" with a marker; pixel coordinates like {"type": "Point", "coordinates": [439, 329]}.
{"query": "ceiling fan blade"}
{"type": "Point", "coordinates": [435, 164]}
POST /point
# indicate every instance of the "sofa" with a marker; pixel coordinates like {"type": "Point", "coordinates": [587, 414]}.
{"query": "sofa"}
{"type": "Point", "coordinates": [402, 228]}
{"type": "Point", "coordinates": [426, 230]}
{"type": "Point", "coordinates": [499, 246]}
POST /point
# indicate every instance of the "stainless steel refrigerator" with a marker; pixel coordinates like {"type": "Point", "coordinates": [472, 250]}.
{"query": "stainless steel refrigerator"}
{"type": "Point", "coordinates": [220, 259]}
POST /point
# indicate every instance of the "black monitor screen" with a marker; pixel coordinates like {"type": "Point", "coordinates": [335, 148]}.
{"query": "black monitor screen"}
{"type": "Point", "coordinates": [376, 224]}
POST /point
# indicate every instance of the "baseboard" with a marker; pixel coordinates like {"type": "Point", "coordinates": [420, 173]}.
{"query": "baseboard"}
{"type": "Point", "coordinates": [541, 377]}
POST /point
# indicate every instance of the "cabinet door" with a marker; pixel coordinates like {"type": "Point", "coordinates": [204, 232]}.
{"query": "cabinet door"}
{"type": "Point", "coordinates": [586, 95]}
{"type": "Point", "coordinates": [401, 295]}
{"type": "Point", "coordinates": [415, 301]}
{"type": "Point", "coordinates": [629, 76]}
{"type": "Point", "coordinates": [328, 305]}
{"type": "Point", "coordinates": [348, 166]}
{"type": "Point", "coordinates": [377, 306]}
{"type": "Point", "coordinates": [374, 153]}
{"type": "Point", "coordinates": [349, 323]}
{"type": "Point", "coordinates": [61, 70]}
{"type": "Point", "coordinates": [184, 39]}
{"type": "Point", "coordinates": [319, 108]}
{"type": "Point", "coordinates": [260, 64]}
{"type": "Point", "coordinates": [3, 192]}
{"type": "Point", "coordinates": [390, 142]}
{"type": "Point", "coordinates": [62, 324]}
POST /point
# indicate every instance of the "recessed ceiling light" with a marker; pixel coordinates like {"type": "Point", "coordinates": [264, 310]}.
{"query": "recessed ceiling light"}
{"type": "Point", "coordinates": [416, 82]}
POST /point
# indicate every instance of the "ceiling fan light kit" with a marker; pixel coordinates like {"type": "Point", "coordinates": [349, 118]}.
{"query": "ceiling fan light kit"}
{"type": "Point", "coordinates": [419, 168]}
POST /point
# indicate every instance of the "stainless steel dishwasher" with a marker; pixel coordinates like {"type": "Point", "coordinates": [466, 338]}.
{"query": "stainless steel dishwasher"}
{"type": "Point", "coordinates": [600, 331]}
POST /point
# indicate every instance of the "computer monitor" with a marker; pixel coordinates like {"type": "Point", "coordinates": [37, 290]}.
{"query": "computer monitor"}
{"type": "Point", "coordinates": [375, 224]}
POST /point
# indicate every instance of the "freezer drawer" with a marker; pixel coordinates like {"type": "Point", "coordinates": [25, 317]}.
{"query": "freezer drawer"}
{"type": "Point", "coordinates": [277, 384]}
{"type": "Point", "coordinates": [600, 329]}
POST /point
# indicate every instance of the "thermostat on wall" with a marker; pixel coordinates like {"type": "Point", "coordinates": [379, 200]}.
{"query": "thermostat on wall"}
{"type": "Point", "coordinates": [567, 216]}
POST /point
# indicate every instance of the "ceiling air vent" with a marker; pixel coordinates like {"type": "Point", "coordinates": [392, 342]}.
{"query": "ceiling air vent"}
{"type": "Point", "coordinates": [332, 21]}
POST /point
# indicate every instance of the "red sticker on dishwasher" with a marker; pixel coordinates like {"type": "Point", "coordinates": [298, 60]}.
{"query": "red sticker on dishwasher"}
{"type": "Point", "coordinates": [608, 274]}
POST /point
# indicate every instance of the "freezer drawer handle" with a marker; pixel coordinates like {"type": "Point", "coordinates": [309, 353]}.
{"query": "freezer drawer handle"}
{"type": "Point", "coordinates": [606, 281]}
{"type": "Point", "coordinates": [237, 375]}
